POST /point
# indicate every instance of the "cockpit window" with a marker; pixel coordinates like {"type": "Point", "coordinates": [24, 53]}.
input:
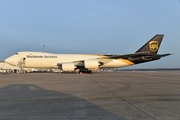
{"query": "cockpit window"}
{"type": "Point", "coordinates": [16, 54]}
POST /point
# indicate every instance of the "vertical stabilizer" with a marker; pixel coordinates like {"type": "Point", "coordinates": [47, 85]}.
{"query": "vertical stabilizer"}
{"type": "Point", "coordinates": [152, 46]}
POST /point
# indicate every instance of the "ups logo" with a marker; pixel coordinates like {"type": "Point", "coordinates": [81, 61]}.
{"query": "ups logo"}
{"type": "Point", "coordinates": [153, 46]}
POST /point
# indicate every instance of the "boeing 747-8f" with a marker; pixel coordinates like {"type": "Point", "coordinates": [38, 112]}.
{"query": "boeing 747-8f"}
{"type": "Point", "coordinates": [87, 62]}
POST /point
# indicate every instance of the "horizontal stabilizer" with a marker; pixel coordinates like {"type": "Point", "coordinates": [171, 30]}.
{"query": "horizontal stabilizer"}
{"type": "Point", "coordinates": [158, 56]}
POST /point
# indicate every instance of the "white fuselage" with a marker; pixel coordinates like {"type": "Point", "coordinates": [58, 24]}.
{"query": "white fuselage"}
{"type": "Point", "coordinates": [50, 60]}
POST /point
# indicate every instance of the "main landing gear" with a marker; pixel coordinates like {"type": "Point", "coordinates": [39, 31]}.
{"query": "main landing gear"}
{"type": "Point", "coordinates": [83, 70]}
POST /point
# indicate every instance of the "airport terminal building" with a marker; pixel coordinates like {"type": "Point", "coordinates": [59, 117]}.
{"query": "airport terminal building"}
{"type": "Point", "coordinates": [6, 68]}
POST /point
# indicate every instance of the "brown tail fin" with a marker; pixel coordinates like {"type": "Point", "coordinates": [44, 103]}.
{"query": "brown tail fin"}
{"type": "Point", "coordinates": [152, 46]}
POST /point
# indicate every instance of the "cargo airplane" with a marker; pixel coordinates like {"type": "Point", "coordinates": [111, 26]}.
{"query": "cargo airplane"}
{"type": "Point", "coordinates": [87, 62]}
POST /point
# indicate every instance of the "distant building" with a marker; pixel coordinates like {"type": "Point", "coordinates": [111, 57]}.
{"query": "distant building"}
{"type": "Point", "coordinates": [9, 68]}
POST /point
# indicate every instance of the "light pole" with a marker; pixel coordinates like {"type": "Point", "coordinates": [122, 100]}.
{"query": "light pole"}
{"type": "Point", "coordinates": [44, 48]}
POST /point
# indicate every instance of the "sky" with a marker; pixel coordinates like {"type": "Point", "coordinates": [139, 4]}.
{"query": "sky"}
{"type": "Point", "coordinates": [90, 26]}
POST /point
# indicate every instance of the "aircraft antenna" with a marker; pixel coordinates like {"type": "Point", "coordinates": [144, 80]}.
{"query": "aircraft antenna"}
{"type": "Point", "coordinates": [44, 48]}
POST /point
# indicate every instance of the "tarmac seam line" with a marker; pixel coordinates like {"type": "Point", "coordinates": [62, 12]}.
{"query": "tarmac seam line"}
{"type": "Point", "coordinates": [122, 99]}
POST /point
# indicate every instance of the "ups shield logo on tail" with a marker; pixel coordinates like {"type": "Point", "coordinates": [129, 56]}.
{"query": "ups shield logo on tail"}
{"type": "Point", "coordinates": [153, 46]}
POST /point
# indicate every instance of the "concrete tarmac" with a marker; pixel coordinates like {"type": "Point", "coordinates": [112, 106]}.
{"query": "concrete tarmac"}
{"type": "Point", "coordinates": [97, 96]}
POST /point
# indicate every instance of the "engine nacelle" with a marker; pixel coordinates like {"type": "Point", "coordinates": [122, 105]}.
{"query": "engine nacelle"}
{"type": "Point", "coordinates": [91, 64]}
{"type": "Point", "coordinates": [69, 67]}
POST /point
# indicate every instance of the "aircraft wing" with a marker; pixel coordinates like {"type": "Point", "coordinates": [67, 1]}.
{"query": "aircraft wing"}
{"type": "Point", "coordinates": [125, 56]}
{"type": "Point", "coordinates": [107, 58]}
{"type": "Point", "coordinates": [128, 55]}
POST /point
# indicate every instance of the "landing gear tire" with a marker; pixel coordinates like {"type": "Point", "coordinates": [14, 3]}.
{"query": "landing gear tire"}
{"type": "Point", "coordinates": [89, 71]}
{"type": "Point", "coordinates": [83, 70]}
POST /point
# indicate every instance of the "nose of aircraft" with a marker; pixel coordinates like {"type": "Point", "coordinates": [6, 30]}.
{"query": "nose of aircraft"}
{"type": "Point", "coordinates": [10, 60]}
{"type": "Point", "coordinates": [7, 60]}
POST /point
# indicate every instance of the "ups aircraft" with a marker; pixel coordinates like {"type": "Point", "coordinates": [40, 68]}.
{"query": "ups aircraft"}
{"type": "Point", "coordinates": [87, 62]}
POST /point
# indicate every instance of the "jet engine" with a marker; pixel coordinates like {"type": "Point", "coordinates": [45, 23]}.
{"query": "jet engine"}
{"type": "Point", "coordinates": [91, 64]}
{"type": "Point", "coordinates": [68, 67]}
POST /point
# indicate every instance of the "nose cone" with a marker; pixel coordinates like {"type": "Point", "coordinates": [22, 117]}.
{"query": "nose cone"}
{"type": "Point", "coordinates": [10, 60]}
